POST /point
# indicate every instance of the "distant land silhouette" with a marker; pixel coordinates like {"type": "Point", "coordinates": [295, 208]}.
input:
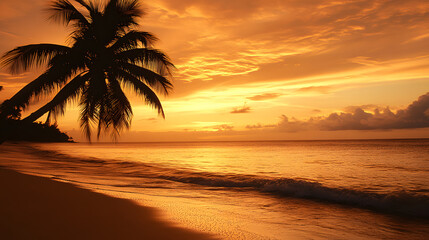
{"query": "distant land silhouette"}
{"type": "Point", "coordinates": [16, 130]}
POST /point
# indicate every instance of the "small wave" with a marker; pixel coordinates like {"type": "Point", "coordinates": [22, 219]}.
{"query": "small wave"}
{"type": "Point", "coordinates": [401, 202]}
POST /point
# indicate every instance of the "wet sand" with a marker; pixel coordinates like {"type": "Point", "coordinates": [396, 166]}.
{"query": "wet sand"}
{"type": "Point", "coordinates": [40, 208]}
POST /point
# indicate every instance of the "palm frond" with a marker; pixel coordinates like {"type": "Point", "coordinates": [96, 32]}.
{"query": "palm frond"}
{"type": "Point", "coordinates": [64, 11]}
{"type": "Point", "coordinates": [93, 7]}
{"type": "Point", "coordinates": [131, 9]}
{"type": "Point", "coordinates": [121, 107]}
{"type": "Point", "coordinates": [93, 97]}
{"type": "Point", "coordinates": [152, 59]}
{"type": "Point", "coordinates": [69, 93]}
{"type": "Point", "coordinates": [125, 11]}
{"type": "Point", "coordinates": [133, 39]}
{"type": "Point", "coordinates": [54, 78]}
{"type": "Point", "coordinates": [116, 111]}
{"type": "Point", "coordinates": [21, 58]}
{"type": "Point", "coordinates": [143, 90]}
{"type": "Point", "coordinates": [88, 5]}
{"type": "Point", "coordinates": [120, 16]}
{"type": "Point", "coordinates": [87, 116]}
{"type": "Point", "coordinates": [154, 80]}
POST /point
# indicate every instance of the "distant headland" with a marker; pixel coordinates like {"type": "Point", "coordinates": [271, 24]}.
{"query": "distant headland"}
{"type": "Point", "coordinates": [18, 130]}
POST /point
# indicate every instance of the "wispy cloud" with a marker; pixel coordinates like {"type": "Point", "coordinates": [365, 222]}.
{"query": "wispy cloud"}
{"type": "Point", "coordinates": [8, 34]}
{"type": "Point", "coordinates": [265, 96]}
{"type": "Point", "coordinates": [243, 109]}
{"type": "Point", "coordinates": [318, 89]}
{"type": "Point", "coordinates": [223, 127]}
{"type": "Point", "coordinates": [205, 68]}
{"type": "Point", "coordinates": [260, 126]}
{"type": "Point", "coordinates": [252, 41]}
{"type": "Point", "coordinates": [9, 76]}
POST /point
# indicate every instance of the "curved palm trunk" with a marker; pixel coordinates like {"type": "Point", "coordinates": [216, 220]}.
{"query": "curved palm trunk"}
{"type": "Point", "coordinates": [67, 92]}
{"type": "Point", "coordinates": [22, 97]}
{"type": "Point", "coordinates": [37, 114]}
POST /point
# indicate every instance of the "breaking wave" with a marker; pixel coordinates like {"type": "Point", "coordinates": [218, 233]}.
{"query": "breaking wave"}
{"type": "Point", "coordinates": [401, 203]}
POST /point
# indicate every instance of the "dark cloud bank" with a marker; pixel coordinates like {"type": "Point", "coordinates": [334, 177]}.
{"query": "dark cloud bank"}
{"type": "Point", "coordinates": [416, 115]}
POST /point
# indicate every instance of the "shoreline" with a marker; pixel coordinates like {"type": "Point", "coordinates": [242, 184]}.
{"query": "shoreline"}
{"type": "Point", "coordinates": [33, 207]}
{"type": "Point", "coordinates": [245, 141]}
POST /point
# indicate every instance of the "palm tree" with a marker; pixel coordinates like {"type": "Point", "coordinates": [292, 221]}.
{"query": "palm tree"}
{"type": "Point", "coordinates": [107, 53]}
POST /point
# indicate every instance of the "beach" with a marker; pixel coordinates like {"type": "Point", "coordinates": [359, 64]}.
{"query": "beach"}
{"type": "Point", "coordinates": [34, 207]}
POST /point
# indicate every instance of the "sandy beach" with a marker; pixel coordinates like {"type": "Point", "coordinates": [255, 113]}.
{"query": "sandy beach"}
{"type": "Point", "coordinates": [40, 208]}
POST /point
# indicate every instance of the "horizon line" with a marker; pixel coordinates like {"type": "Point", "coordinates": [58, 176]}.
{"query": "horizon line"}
{"type": "Point", "coordinates": [298, 140]}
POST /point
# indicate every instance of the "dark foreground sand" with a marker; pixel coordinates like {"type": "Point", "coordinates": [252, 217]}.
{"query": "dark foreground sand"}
{"type": "Point", "coordinates": [39, 208]}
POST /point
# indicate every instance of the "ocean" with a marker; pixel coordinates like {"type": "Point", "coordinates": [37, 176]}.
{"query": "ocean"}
{"type": "Point", "coordinates": [360, 189]}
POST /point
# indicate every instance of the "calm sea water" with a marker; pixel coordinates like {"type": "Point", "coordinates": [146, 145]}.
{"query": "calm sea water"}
{"type": "Point", "coordinates": [375, 189]}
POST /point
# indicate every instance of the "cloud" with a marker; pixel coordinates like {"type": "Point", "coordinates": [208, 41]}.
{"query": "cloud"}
{"type": "Point", "coordinates": [8, 34]}
{"type": "Point", "coordinates": [149, 119]}
{"type": "Point", "coordinates": [244, 41]}
{"type": "Point", "coordinates": [260, 126]}
{"type": "Point", "coordinates": [366, 61]}
{"type": "Point", "coordinates": [366, 107]}
{"type": "Point", "coordinates": [8, 76]}
{"type": "Point", "coordinates": [243, 109]}
{"type": "Point", "coordinates": [416, 115]}
{"type": "Point", "coordinates": [318, 89]}
{"type": "Point", "coordinates": [205, 68]}
{"type": "Point", "coordinates": [219, 127]}
{"type": "Point", "coordinates": [223, 127]}
{"type": "Point", "coordinates": [265, 96]}
{"type": "Point", "coordinates": [255, 126]}
{"type": "Point", "coordinates": [294, 125]}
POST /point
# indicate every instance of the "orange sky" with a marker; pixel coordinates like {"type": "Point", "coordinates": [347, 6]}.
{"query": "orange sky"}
{"type": "Point", "coordinates": [267, 69]}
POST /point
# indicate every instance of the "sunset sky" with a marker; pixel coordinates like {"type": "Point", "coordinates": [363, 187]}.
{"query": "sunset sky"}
{"type": "Point", "coordinates": [266, 69]}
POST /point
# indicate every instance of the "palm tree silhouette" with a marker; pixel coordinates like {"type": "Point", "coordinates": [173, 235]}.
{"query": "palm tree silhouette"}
{"type": "Point", "coordinates": [107, 52]}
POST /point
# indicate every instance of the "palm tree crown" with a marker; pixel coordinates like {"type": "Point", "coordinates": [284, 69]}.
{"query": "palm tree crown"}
{"type": "Point", "coordinates": [107, 52]}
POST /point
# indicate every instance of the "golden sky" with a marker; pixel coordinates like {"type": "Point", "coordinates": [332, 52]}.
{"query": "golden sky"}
{"type": "Point", "coordinates": [267, 69]}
